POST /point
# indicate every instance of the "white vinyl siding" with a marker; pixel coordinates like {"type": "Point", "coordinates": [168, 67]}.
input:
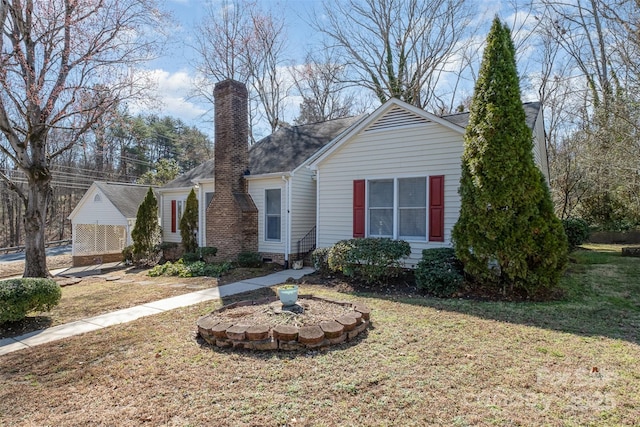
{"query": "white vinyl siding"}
{"type": "Point", "coordinates": [409, 152]}
{"type": "Point", "coordinates": [303, 208]}
{"type": "Point", "coordinates": [98, 212]}
{"type": "Point", "coordinates": [257, 190]}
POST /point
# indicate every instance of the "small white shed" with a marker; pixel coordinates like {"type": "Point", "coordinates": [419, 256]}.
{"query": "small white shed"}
{"type": "Point", "coordinates": [102, 221]}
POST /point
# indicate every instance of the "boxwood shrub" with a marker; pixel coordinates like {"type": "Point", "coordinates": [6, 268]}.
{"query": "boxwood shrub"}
{"type": "Point", "coordinates": [181, 268]}
{"type": "Point", "coordinates": [373, 260]}
{"type": "Point", "coordinates": [320, 260]}
{"type": "Point", "coordinates": [577, 231]}
{"type": "Point", "coordinates": [20, 296]}
{"type": "Point", "coordinates": [249, 259]}
{"type": "Point", "coordinates": [439, 272]}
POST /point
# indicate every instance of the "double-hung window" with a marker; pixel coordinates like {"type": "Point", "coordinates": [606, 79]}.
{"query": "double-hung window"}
{"type": "Point", "coordinates": [381, 208]}
{"type": "Point", "coordinates": [401, 208]}
{"type": "Point", "coordinates": [272, 214]}
{"type": "Point", "coordinates": [412, 208]}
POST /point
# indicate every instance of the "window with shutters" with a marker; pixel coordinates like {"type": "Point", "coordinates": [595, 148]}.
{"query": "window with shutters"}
{"type": "Point", "coordinates": [399, 208]}
{"type": "Point", "coordinates": [273, 214]}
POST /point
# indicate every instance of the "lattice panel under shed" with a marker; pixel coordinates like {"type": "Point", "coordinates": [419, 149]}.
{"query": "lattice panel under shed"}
{"type": "Point", "coordinates": [96, 239]}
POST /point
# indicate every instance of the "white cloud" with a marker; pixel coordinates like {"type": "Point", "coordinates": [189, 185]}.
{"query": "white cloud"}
{"type": "Point", "coordinates": [171, 98]}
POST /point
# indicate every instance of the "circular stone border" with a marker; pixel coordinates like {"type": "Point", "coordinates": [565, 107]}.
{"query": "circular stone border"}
{"type": "Point", "coordinates": [240, 335]}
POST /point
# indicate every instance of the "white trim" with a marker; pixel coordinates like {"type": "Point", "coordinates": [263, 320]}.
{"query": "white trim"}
{"type": "Point", "coordinates": [267, 175]}
{"type": "Point", "coordinates": [169, 190]}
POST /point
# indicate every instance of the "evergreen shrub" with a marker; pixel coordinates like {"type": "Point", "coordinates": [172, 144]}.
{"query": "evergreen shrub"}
{"type": "Point", "coordinates": [507, 235]}
{"type": "Point", "coordinates": [189, 223]}
{"type": "Point", "coordinates": [374, 260]}
{"type": "Point", "coordinates": [439, 272]}
{"type": "Point", "coordinates": [577, 231]}
{"type": "Point", "coordinates": [146, 232]}
{"type": "Point", "coordinates": [190, 269]}
{"type": "Point", "coordinates": [320, 260]}
{"type": "Point", "coordinates": [20, 296]}
{"type": "Point", "coordinates": [190, 257]}
{"type": "Point", "coordinates": [249, 259]}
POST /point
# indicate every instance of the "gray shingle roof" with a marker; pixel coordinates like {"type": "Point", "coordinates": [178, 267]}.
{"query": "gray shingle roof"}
{"type": "Point", "coordinates": [289, 147]}
{"type": "Point", "coordinates": [202, 171]}
{"type": "Point", "coordinates": [125, 197]}
{"type": "Point", "coordinates": [282, 151]}
{"type": "Point", "coordinates": [531, 110]}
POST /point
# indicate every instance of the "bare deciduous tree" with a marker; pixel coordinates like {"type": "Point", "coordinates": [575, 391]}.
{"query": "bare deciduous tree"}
{"type": "Point", "coordinates": [396, 48]}
{"type": "Point", "coordinates": [325, 95]}
{"type": "Point", "coordinates": [53, 54]}
{"type": "Point", "coordinates": [238, 40]}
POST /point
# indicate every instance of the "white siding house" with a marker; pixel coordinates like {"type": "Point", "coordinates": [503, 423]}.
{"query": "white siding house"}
{"type": "Point", "coordinates": [277, 167]}
{"type": "Point", "coordinates": [396, 174]}
{"type": "Point", "coordinates": [103, 220]}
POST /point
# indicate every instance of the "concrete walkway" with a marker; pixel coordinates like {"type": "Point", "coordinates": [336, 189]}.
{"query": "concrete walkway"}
{"type": "Point", "coordinates": [8, 345]}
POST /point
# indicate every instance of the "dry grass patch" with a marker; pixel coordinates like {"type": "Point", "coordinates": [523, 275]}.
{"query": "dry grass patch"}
{"type": "Point", "coordinates": [424, 361]}
{"type": "Point", "coordinates": [421, 363]}
{"type": "Point", "coordinates": [95, 295]}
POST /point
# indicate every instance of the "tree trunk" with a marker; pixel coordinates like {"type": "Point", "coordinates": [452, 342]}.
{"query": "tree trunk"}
{"type": "Point", "coordinates": [39, 193]}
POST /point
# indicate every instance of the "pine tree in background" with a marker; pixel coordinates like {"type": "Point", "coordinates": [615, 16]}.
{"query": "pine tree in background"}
{"type": "Point", "coordinates": [189, 224]}
{"type": "Point", "coordinates": [146, 232]}
{"type": "Point", "coordinates": [507, 236]}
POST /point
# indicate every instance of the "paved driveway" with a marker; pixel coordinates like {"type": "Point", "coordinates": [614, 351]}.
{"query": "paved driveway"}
{"type": "Point", "coordinates": [19, 256]}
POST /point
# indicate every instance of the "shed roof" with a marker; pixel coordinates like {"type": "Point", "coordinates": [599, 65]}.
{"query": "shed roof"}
{"type": "Point", "coordinates": [127, 198]}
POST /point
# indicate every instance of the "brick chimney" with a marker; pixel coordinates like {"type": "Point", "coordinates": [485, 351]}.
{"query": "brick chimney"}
{"type": "Point", "coordinates": [232, 217]}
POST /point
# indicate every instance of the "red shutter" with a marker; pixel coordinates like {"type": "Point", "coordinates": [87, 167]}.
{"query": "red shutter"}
{"type": "Point", "coordinates": [358, 207]}
{"type": "Point", "coordinates": [436, 208]}
{"type": "Point", "coordinates": [173, 216]}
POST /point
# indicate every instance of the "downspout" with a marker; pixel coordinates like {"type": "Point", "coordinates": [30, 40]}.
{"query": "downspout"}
{"type": "Point", "coordinates": [201, 214]}
{"type": "Point", "coordinates": [317, 176]}
{"type": "Point", "coordinates": [161, 219]}
{"type": "Point", "coordinates": [287, 233]}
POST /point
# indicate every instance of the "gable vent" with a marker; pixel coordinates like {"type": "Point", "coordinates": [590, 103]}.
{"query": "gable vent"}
{"type": "Point", "coordinates": [396, 117]}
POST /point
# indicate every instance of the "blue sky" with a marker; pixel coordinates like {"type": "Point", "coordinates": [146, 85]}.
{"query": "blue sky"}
{"type": "Point", "coordinates": [173, 71]}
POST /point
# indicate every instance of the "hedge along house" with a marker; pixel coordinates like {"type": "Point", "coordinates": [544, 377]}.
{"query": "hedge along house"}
{"type": "Point", "coordinates": [261, 198]}
{"type": "Point", "coordinates": [396, 174]}
{"type": "Point", "coordinates": [103, 220]}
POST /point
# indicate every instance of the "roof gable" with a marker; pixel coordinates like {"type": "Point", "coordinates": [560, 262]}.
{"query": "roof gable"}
{"type": "Point", "coordinates": [393, 114]}
{"type": "Point", "coordinates": [126, 198]}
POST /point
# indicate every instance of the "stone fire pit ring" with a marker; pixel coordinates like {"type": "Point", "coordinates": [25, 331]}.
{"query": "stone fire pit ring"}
{"type": "Point", "coordinates": [241, 334]}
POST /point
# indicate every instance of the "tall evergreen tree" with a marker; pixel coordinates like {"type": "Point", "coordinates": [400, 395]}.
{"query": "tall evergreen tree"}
{"type": "Point", "coordinates": [507, 236]}
{"type": "Point", "coordinates": [146, 231]}
{"type": "Point", "coordinates": [189, 223]}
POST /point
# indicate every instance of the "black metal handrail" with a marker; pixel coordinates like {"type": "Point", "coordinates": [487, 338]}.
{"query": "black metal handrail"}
{"type": "Point", "coordinates": [307, 243]}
